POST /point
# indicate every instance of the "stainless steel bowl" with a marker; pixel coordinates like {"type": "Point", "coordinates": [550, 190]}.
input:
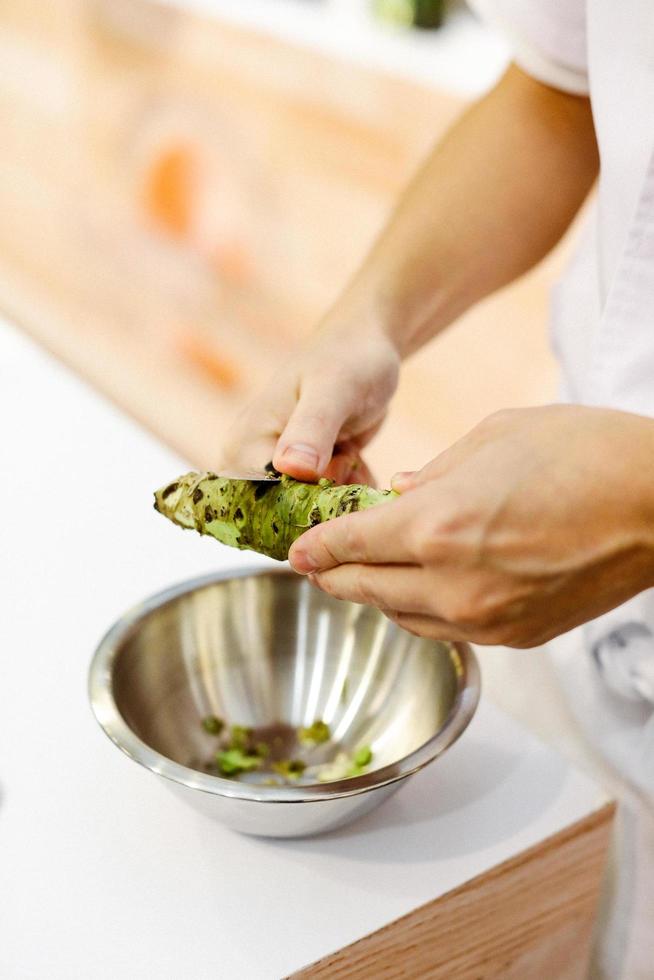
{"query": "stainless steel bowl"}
{"type": "Point", "coordinates": [268, 650]}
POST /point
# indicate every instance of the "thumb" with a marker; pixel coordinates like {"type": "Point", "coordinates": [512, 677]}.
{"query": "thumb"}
{"type": "Point", "coordinates": [305, 447]}
{"type": "Point", "coordinates": [453, 456]}
{"type": "Point", "coordinates": [405, 480]}
{"type": "Point", "coordinates": [409, 480]}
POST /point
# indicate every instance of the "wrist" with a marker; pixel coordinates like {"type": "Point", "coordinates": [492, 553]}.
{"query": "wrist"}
{"type": "Point", "coordinates": [640, 482]}
{"type": "Point", "coordinates": [360, 318]}
{"type": "Point", "coordinates": [624, 488]}
{"type": "Point", "coordinates": [393, 309]}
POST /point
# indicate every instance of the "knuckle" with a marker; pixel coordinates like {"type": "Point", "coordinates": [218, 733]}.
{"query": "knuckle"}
{"type": "Point", "coordinates": [479, 602]}
{"type": "Point", "coordinates": [459, 609]}
{"type": "Point", "coordinates": [325, 583]}
{"type": "Point", "coordinates": [325, 549]}
{"type": "Point", "coordinates": [452, 536]}
{"type": "Point", "coordinates": [502, 615]}
{"type": "Point", "coordinates": [489, 609]}
{"type": "Point", "coordinates": [406, 622]}
{"type": "Point", "coordinates": [512, 638]}
{"type": "Point", "coordinates": [315, 428]}
{"type": "Point", "coordinates": [511, 635]}
{"type": "Point", "coordinates": [479, 618]}
{"type": "Point", "coordinates": [353, 541]}
{"type": "Point", "coordinates": [471, 609]}
{"type": "Point", "coordinates": [429, 541]}
{"type": "Point", "coordinates": [525, 640]}
{"type": "Point", "coordinates": [364, 588]}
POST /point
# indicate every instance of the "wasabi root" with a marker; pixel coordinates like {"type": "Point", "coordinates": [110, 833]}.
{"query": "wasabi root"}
{"type": "Point", "coordinates": [260, 515]}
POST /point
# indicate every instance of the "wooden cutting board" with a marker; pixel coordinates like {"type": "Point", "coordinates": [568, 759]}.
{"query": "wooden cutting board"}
{"type": "Point", "coordinates": [182, 199]}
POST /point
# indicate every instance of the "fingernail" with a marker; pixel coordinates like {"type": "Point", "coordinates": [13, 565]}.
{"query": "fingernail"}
{"type": "Point", "coordinates": [302, 562]}
{"type": "Point", "coordinates": [302, 453]}
{"type": "Point", "coordinates": [402, 481]}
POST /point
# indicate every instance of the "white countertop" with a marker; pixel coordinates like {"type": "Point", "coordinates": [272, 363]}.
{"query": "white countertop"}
{"type": "Point", "coordinates": [463, 56]}
{"type": "Point", "coordinates": [105, 874]}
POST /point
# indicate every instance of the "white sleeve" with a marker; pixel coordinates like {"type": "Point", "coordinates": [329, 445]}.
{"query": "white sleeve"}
{"type": "Point", "coordinates": [547, 38]}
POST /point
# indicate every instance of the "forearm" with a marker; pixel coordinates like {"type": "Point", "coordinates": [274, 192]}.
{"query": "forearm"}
{"type": "Point", "coordinates": [492, 199]}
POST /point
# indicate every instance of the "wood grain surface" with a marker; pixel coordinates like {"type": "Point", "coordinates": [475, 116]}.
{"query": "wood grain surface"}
{"type": "Point", "coordinates": [530, 918]}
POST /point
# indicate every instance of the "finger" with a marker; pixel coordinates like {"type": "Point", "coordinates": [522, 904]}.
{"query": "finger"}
{"type": "Point", "coordinates": [453, 456]}
{"type": "Point", "coordinates": [361, 473]}
{"type": "Point", "coordinates": [250, 455]}
{"type": "Point", "coordinates": [430, 627]}
{"type": "Point", "coordinates": [435, 468]}
{"type": "Point", "coordinates": [375, 536]}
{"type": "Point", "coordinates": [253, 435]}
{"type": "Point", "coordinates": [306, 445]}
{"type": "Point", "coordinates": [346, 466]}
{"type": "Point", "coordinates": [341, 468]}
{"type": "Point", "coordinates": [441, 464]}
{"type": "Point", "coordinates": [431, 471]}
{"type": "Point", "coordinates": [403, 481]}
{"type": "Point", "coordinates": [397, 587]}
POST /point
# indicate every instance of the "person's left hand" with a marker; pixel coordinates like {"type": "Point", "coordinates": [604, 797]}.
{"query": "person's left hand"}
{"type": "Point", "coordinates": [536, 521]}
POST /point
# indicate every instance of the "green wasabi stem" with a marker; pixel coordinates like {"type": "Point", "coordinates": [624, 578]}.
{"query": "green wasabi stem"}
{"type": "Point", "coordinates": [315, 734]}
{"type": "Point", "coordinates": [233, 761]}
{"type": "Point", "coordinates": [213, 725]}
{"type": "Point", "coordinates": [290, 768]}
{"type": "Point", "coordinates": [261, 515]}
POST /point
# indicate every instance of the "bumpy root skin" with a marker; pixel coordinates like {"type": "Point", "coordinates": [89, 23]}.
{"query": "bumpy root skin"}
{"type": "Point", "coordinates": [262, 515]}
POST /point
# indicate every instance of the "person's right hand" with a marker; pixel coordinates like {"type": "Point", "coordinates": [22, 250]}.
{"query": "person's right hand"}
{"type": "Point", "coordinates": [322, 407]}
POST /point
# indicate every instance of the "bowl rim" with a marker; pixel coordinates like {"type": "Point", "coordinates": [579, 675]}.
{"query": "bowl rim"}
{"type": "Point", "coordinates": [108, 716]}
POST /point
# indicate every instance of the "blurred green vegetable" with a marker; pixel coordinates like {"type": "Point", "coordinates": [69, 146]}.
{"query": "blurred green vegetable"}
{"type": "Point", "coordinates": [290, 768]}
{"type": "Point", "coordinates": [345, 765]}
{"type": "Point", "coordinates": [233, 761]}
{"type": "Point", "coordinates": [315, 734]}
{"type": "Point", "coordinates": [239, 753]}
{"type": "Point", "coordinates": [413, 13]}
{"type": "Point", "coordinates": [240, 736]}
{"type": "Point", "coordinates": [213, 725]}
{"type": "Point", "coordinates": [363, 756]}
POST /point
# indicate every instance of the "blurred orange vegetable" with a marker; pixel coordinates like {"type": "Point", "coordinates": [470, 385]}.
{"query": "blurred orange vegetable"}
{"type": "Point", "coordinates": [201, 352]}
{"type": "Point", "coordinates": [169, 189]}
{"type": "Point", "coordinates": [233, 263]}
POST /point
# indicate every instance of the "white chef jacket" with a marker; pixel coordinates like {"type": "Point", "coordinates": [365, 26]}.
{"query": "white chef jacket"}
{"type": "Point", "coordinates": [603, 334]}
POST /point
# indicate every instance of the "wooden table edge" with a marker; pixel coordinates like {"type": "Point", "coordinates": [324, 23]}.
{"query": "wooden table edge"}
{"type": "Point", "coordinates": [529, 918]}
